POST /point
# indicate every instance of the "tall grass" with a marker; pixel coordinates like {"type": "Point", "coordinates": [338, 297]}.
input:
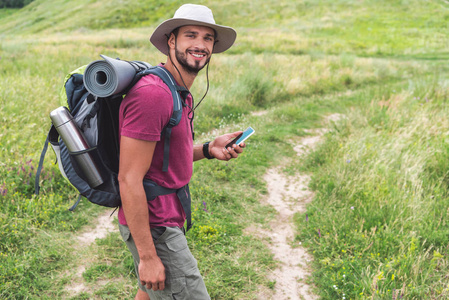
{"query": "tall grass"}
{"type": "Point", "coordinates": [378, 224]}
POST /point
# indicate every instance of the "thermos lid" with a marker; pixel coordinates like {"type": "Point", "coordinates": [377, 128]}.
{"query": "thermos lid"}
{"type": "Point", "coordinates": [60, 116]}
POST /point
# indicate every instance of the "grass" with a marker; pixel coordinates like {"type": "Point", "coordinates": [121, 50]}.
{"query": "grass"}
{"type": "Point", "coordinates": [377, 223]}
{"type": "Point", "coordinates": [377, 227]}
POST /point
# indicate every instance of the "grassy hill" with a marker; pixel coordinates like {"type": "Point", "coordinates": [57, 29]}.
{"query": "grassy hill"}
{"type": "Point", "coordinates": [378, 225]}
{"type": "Point", "coordinates": [370, 28]}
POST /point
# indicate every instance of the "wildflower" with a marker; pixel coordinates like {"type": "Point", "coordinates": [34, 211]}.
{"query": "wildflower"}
{"type": "Point", "coordinates": [205, 208]}
{"type": "Point", "coordinates": [348, 161]}
{"type": "Point", "coordinates": [352, 207]}
{"type": "Point", "coordinates": [3, 190]}
{"type": "Point", "coordinates": [307, 218]}
{"type": "Point", "coordinates": [319, 232]}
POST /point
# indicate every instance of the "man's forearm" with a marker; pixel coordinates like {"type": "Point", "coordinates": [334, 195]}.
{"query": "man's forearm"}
{"type": "Point", "coordinates": [198, 152]}
{"type": "Point", "coordinates": [137, 216]}
{"type": "Point", "coordinates": [135, 160]}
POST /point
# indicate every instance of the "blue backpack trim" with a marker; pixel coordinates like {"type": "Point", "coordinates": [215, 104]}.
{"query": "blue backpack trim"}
{"type": "Point", "coordinates": [168, 79]}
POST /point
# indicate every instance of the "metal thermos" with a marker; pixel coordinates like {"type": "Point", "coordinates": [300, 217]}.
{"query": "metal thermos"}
{"type": "Point", "coordinates": [76, 144]}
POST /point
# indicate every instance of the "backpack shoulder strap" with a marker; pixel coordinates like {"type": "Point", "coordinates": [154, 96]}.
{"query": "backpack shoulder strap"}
{"type": "Point", "coordinates": [52, 137]}
{"type": "Point", "coordinates": [176, 92]}
{"type": "Point", "coordinates": [168, 79]}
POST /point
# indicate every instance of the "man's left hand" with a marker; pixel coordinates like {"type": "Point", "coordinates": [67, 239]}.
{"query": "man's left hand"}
{"type": "Point", "coordinates": [217, 147]}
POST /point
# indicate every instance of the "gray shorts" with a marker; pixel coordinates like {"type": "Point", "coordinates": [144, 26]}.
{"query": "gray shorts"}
{"type": "Point", "coordinates": [183, 279]}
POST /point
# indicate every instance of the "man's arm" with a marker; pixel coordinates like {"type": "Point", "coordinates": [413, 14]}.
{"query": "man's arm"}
{"type": "Point", "coordinates": [217, 148]}
{"type": "Point", "coordinates": [135, 160]}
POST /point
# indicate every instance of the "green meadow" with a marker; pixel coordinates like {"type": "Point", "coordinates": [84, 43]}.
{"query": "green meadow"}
{"type": "Point", "coordinates": [378, 227]}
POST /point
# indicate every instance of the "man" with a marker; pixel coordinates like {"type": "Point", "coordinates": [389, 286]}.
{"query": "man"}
{"type": "Point", "coordinates": [153, 230]}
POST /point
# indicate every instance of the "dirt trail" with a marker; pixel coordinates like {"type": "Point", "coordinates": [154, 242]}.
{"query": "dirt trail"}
{"type": "Point", "coordinates": [289, 195]}
{"type": "Point", "coordinates": [104, 226]}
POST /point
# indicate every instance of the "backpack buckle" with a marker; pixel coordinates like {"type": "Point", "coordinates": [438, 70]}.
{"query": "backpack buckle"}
{"type": "Point", "coordinates": [172, 122]}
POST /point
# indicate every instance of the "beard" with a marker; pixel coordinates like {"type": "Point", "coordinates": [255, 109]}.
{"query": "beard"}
{"type": "Point", "coordinates": [181, 57]}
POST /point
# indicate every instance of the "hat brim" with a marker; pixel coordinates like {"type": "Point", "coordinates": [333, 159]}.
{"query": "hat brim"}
{"type": "Point", "coordinates": [225, 35]}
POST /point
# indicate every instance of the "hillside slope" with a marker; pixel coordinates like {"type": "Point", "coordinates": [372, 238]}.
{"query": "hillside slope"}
{"type": "Point", "coordinates": [62, 15]}
{"type": "Point", "coordinates": [364, 28]}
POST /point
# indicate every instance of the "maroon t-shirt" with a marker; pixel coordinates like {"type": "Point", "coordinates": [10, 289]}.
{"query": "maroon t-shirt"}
{"type": "Point", "coordinates": [144, 112]}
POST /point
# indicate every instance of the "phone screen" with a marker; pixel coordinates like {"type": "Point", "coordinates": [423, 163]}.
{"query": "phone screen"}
{"type": "Point", "coordinates": [242, 137]}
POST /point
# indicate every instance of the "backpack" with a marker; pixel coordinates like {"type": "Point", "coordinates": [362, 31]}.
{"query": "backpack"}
{"type": "Point", "coordinates": [98, 119]}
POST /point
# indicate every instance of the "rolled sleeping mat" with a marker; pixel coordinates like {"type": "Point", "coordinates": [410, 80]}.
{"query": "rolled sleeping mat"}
{"type": "Point", "coordinates": [110, 76]}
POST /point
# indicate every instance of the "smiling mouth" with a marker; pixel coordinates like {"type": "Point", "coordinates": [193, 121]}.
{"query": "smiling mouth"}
{"type": "Point", "coordinates": [198, 55]}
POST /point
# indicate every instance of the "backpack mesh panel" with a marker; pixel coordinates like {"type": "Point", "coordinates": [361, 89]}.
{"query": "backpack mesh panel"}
{"type": "Point", "coordinates": [108, 123]}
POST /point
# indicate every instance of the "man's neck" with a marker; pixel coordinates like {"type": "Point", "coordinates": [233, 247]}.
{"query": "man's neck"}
{"type": "Point", "coordinates": [187, 78]}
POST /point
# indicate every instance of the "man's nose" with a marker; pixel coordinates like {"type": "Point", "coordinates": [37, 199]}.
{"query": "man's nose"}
{"type": "Point", "coordinates": [200, 44]}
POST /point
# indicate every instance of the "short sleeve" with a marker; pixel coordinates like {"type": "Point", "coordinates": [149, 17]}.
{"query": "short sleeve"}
{"type": "Point", "coordinates": [146, 110]}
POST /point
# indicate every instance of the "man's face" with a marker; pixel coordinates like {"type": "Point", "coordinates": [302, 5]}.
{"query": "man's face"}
{"type": "Point", "coordinates": [193, 47]}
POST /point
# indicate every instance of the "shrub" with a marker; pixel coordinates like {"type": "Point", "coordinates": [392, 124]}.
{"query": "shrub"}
{"type": "Point", "coordinates": [14, 3]}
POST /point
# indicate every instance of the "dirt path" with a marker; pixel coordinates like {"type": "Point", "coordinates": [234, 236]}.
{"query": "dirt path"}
{"type": "Point", "coordinates": [104, 225]}
{"type": "Point", "coordinates": [289, 195]}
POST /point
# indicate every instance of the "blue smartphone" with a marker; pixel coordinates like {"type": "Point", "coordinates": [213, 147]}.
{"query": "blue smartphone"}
{"type": "Point", "coordinates": [241, 137]}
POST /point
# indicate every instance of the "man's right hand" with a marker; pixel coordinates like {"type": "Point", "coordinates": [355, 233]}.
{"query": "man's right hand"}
{"type": "Point", "coordinates": [152, 274]}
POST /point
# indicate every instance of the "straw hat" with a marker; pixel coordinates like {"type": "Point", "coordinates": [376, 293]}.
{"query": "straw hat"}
{"type": "Point", "coordinates": [192, 14]}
